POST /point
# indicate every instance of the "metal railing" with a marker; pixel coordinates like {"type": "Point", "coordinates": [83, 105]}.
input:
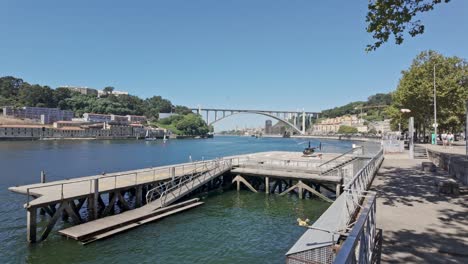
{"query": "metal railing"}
{"type": "Point", "coordinates": [175, 187]}
{"type": "Point", "coordinates": [341, 159]}
{"type": "Point", "coordinates": [361, 243]}
{"type": "Point", "coordinates": [137, 177]}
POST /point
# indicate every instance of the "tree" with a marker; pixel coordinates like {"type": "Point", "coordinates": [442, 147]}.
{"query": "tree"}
{"type": "Point", "coordinates": [193, 125]}
{"type": "Point", "coordinates": [396, 17]}
{"type": "Point", "coordinates": [108, 90]}
{"type": "Point", "coordinates": [157, 104]}
{"type": "Point", "coordinates": [347, 130]}
{"type": "Point", "coordinates": [415, 92]}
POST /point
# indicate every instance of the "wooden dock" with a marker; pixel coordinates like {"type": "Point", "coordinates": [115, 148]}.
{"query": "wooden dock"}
{"type": "Point", "coordinates": [146, 195]}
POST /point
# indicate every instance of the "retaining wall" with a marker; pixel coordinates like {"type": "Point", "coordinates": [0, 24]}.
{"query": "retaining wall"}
{"type": "Point", "coordinates": [456, 165]}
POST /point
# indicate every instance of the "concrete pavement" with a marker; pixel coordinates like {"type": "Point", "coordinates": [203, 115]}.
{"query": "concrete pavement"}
{"type": "Point", "coordinates": [419, 224]}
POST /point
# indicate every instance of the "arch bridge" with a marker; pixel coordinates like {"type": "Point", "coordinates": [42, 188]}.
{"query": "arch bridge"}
{"type": "Point", "coordinates": [290, 118]}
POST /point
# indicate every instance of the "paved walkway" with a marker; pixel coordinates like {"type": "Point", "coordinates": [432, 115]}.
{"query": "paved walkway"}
{"type": "Point", "coordinates": [419, 225]}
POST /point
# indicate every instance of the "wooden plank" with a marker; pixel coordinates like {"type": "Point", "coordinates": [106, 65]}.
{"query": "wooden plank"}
{"type": "Point", "coordinates": [139, 223]}
{"type": "Point", "coordinates": [84, 230]}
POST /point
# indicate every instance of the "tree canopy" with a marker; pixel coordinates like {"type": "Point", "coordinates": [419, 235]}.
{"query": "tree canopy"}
{"type": "Point", "coordinates": [16, 92]}
{"type": "Point", "coordinates": [415, 91]}
{"type": "Point", "coordinates": [396, 17]}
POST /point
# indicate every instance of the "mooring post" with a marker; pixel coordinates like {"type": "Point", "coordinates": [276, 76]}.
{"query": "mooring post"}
{"type": "Point", "coordinates": [31, 225]}
{"type": "Point", "coordinates": [267, 185]}
{"type": "Point", "coordinates": [95, 201]}
{"type": "Point", "coordinates": [43, 180]}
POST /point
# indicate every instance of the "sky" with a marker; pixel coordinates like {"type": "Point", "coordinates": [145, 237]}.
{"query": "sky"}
{"type": "Point", "coordinates": [251, 54]}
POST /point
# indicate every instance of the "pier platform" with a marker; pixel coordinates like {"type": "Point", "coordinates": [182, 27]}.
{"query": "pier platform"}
{"type": "Point", "coordinates": [146, 195]}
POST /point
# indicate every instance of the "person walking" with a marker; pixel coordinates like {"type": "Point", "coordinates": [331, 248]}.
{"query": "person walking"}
{"type": "Point", "coordinates": [444, 139]}
{"type": "Point", "coordinates": [450, 139]}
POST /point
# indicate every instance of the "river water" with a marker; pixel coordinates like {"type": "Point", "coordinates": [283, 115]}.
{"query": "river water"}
{"type": "Point", "coordinates": [230, 227]}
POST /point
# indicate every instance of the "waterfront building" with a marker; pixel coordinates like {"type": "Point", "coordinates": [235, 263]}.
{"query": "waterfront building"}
{"type": "Point", "coordinates": [81, 90]}
{"type": "Point", "coordinates": [332, 125]}
{"type": "Point", "coordinates": [119, 119]}
{"type": "Point", "coordinates": [268, 127]}
{"type": "Point", "coordinates": [97, 118]}
{"type": "Point", "coordinates": [136, 119]}
{"type": "Point", "coordinates": [117, 93]}
{"type": "Point", "coordinates": [43, 114]}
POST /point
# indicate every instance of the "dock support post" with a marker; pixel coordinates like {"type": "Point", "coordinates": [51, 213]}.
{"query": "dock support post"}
{"type": "Point", "coordinates": [139, 196]}
{"type": "Point", "coordinates": [238, 186]}
{"type": "Point", "coordinates": [43, 180]}
{"type": "Point", "coordinates": [338, 190]}
{"type": "Point", "coordinates": [300, 190]}
{"type": "Point", "coordinates": [267, 185]}
{"type": "Point", "coordinates": [31, 225]}
{"type": "Point", "coordinates": [95, 200]}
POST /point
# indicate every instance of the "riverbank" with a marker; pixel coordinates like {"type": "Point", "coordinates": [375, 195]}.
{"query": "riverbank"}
{"type": "Point", "coordinates": [419, 224]}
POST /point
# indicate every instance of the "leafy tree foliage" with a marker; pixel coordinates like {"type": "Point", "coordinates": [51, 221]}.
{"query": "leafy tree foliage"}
{"type": "Point", "coordinates": [347, 130]}
{"type": "Point", "coordinates": [189, 124]}
{"type": "Point", "coordinates": [396, 17]}
{"type": "Point", "coordinates": [16, 92]}
{"type": "Point", "coordinates": [372, 114]}
{"type": "Point", "coordinates": [415, 92]}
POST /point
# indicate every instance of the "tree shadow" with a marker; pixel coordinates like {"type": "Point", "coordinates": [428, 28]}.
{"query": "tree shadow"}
{"type": "Point", "coordinates": [409, 186]}
{"type": "Point", "coordinates": [402, 184]}
{"type": "Point", "coordinates": [432, 246]}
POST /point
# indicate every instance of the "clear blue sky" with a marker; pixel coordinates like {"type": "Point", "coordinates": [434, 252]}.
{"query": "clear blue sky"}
{"type": "Point", "coordinates": [217, 53]}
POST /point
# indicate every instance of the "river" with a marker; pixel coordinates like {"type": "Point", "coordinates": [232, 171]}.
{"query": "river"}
{"type": "Point", "coordinates": [230, 227]}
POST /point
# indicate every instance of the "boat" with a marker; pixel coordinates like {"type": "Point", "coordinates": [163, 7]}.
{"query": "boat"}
{"type": "Point", "coordinates": [148, 137]}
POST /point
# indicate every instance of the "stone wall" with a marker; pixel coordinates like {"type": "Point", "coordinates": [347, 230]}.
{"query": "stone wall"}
{"type": "Point", "coordinates": [455, 164]}
{"type": "Point", "coordinates": [37, 132]}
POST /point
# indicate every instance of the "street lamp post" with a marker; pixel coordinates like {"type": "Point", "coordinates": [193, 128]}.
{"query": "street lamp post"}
{"type": "Point", "coordinates": [435, 107]}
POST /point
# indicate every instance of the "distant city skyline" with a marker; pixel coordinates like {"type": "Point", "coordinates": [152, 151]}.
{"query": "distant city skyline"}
{"type": "Point", "coordinates": [247, 54]}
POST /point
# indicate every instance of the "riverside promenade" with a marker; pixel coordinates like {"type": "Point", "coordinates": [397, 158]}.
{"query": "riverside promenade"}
{"type": "Point", "coordinates": [419, 224]}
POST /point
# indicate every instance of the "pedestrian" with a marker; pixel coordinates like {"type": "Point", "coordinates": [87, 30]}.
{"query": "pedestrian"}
{"type": "Point", "coordinates": [444, 139]}
{"type": "Point", "coordinates": [450, 139]}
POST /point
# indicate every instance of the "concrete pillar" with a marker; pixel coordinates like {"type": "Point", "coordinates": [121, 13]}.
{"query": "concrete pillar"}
{"type": "Point", "coordinates": [216, 115]}
{"type": "Point", "coordinates": [267, 185]}
{"type": "Point", "coordinates": [338, 190]}
{"type": "Point", "coordinates": [303, 122]}
{"type": "Point", "coordinates": [224, 113]}
{"type": "Point", "coordinates": [207, 117]}
{"type": "Point", "coordinates": [238, 185]}
{"type": "Point", "coordinates": [31, 224]}
{"type": "Point", "coordinates": [95, 200]}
